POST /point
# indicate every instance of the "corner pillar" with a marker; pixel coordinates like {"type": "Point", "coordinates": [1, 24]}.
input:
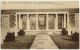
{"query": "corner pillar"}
{"type": "Point", "coordinates": [68, 26]}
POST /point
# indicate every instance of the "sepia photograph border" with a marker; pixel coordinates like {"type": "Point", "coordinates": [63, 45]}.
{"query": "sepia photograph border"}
{"type": "Point", "coordinates": [39, 0]}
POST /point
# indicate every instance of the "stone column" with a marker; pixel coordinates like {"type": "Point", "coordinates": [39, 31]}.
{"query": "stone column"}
{"type": "Point", "coordinates": [28, 22]}
{"type": "Point", "coordinates": [68, 26]}
{"type": "Point", "coordinates": [16, 22]}
{"type": "Point", "coordinates": [20, 22]}
{"type": "Point", "coordinates": [36, 21]}
{"type": "Point", "coordinates": [64, 20]}
{"type": "Point", "coordinates": [47, 22]}
{"type": "Point", "coordinates": [56, 22]}
{"type": "Point", "coordinates": [16, 28]}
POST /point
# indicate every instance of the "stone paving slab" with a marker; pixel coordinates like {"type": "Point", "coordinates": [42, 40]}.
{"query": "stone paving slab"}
{"type": "Point", "coordinates": [43, 41]}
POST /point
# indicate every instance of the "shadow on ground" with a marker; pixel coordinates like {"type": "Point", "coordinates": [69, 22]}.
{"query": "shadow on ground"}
{"type": "Point", "coordinates": [64, 42]}
{"type": "Point", "coordinates": [68, 39]}
{"type": "Point", "coordinates": [22, 42]}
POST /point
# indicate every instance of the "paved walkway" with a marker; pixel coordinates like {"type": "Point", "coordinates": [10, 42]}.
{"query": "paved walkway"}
{"type": "Point", "coordinates": [43, 41]}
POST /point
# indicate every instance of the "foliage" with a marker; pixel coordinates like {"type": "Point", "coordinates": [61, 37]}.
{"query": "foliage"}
{"type": "Point", "coordinates": [75, 36]}
{"type": "Point", "coordinates": [21, 33]}
{"type": "Point", "coordinates": [9, 37]}
{"type": "Point", "coordinates": [64, 31]}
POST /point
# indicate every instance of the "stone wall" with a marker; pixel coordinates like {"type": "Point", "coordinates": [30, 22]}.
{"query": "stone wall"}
{"type": "Point", "coordinates": [74, 22]}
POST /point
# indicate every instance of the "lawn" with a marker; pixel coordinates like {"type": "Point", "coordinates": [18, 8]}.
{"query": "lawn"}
{"type": "Point", "coordinates": [64, 42]}
{"type": "Point", "coordinates": [22, 42]}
